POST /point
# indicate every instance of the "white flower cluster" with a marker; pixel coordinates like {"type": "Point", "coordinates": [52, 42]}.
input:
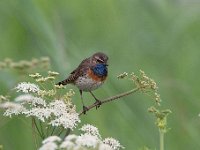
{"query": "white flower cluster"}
{"type": "Point", "coordinates": [50, 143]}
{"type": "Point", "coordinates": [27, 87]}
{"type": "Point", "coordinates": [28, 98]}
{"type": "Point", "coordinates": [65, 115]}
{"type": "Point", "coordinates": [56, 112]}
{"type": "Point", "coordinates": [89, 129]}
{"type": "Point", "coordinates": [12, 108]}
{"type": "Point", "coordinates": [90, 139]}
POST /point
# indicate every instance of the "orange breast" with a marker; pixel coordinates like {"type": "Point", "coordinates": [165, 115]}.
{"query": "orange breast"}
{"type": "Point", "coordinates": [95, 77]}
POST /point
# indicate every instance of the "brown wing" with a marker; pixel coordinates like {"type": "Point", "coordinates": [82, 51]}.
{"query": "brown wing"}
{"type": "Point", "coordinates": [79, 71]}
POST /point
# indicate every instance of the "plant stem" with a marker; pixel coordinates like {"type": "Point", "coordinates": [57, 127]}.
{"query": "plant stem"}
{"type": "Point", "coordinates": [161, 139]}
{"type": "Point", "coordinates": [111, 99]}
{"type": "Point", "coordinates": [35, 124]}
{"type": "Point", "coordinates": [53, 130]}
{"type": "Point", "coordinates": [68, 132]}
{"type": "Point", "coordinates": [34, 136]}
{"type": "Point", "coordinates": [41, 127]}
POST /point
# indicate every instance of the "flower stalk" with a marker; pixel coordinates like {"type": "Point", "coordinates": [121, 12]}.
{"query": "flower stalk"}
{"type": "Point", "coordinates": [161, 134]}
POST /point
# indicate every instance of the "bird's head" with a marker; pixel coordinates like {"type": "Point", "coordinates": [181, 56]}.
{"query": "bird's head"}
{"type": "Point", "coordinates": [100, 58]}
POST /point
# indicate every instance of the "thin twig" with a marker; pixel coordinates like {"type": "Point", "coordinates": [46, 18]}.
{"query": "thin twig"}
{"type": "Point", "coordinates": [37, 127]}
{"type": "Point", "coordinates": [53, 130]}
{"type": "Point", "coordinates": [34, 136]}
{"type": "Point", "coordinates": [41, 127]}
{"type": "Point", "coordinates": [67, 132]}
{"type": "Point", "coordinates": [111, 99]}
{"type": "Point", "coordinates": [47, 131]}
{"type": "Point", "coordinates": [61, 131]}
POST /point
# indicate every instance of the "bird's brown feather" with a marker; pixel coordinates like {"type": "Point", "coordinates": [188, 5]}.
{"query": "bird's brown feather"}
{"type": "Point", "coordinates": [79, 71]}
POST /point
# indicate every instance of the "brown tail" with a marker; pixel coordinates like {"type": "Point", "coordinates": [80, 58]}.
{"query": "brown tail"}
{"type": "Point", "coordinates": [64, 82]}
{"type": "Point", "coordinates": [70, 79]}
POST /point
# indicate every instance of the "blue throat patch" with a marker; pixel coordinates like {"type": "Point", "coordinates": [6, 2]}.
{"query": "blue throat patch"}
{"type": "Point", "coordinates": [100, 70]}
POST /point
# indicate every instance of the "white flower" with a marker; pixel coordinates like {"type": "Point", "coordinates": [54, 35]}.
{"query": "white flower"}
{"type": "Point", "coordinates": [40, 113]}
{"type": "Point", "coordinates": [89, 129]}
{"type": "Point", "coordinates": [112, 143]}
{"type": "Point", "coordinates": [67, 120]}
{"type": "Point", "coordinates": [67, 145]}
{"type": "Point", "coordinates": [59, 107]}
{"type": "Point", "coordinates": [28, 98]}
{"type": "Point", "coordinates": [27, 87]}
{"type": "Point", "coordinates": [87, 140]}
{"type": "Point", "coordinates": [50, 143]}
{"type": "Point", "coordinates": [103, 146]}
{"type": "Point", "coordinates": [51, 139]}
{"type": "Point", "coordinates": [64, 115]}
{"type": "Point", "coordinates": [38, 101]}
{"type": "Point", "coordinates": [25, 98]}
{"type": "Point", "coordinates": [12, 108]}
{"type": "Point", "coordinates": [71, 137]}
{"type": "Point", "coordinates": [49, 146]}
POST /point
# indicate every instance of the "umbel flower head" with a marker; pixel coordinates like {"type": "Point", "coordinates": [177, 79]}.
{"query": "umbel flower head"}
{"type": "Point", "coordinates": [12, 108]}
{"type": "Point", "coordinates": [90, 139]}
{"type": "Point", "coordinates": [27, 87]}
{"type": "Point", "coordinates": [58, 113]}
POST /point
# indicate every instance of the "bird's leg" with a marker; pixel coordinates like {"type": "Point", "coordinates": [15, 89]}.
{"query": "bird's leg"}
{"type": "Point", "coordinates": [84, 107]}
{"type": "Point", "coordinates": [98, 102]}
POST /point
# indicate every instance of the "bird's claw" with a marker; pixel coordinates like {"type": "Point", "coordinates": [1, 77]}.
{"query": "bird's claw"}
{"type": "Point", "coordinates": [97, 103]}
{"type": "Point", "coordinates": [85, 109]}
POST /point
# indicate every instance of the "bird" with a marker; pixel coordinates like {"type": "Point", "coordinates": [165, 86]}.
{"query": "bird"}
{"type": "Point", "coordinates": [88, 76]}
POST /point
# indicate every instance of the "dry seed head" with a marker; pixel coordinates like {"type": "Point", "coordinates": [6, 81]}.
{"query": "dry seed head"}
{"type": "Point", "coordinates": [53, 73]}
{"type": "Point", "coordinates": [134, 77]}
{"type": "Point", "coordinates": [16, 66]}
{"type": "Point", "coordinates": [2, 65]}
{"type": "Point", "coordinates": [59, 86]}
{"type": "Point", "coordinates": [8, 61]}
{"type": "Point", "coordinates": [42, 80]}
{"type": "Point", "coordinates": [142, 72]}
{"type": "Point", "coordinates": [35, 76]}
{"type": "Point", "coordinates": [50, 78]}
{"type": "Point", "coordinates": [34, 61]}
{"type": "Point", "coordinates": [43, 93]}
{"type": "Point", "coordinates": [25, 64]}
{"type": "Point", "coordinates": [145, 77]}
{"type": "Point", "coordinates": [45, 59]}
{"type": "Point", "coordinates": [122, 75]}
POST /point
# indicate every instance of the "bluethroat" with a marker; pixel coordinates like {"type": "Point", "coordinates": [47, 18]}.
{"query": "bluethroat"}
{"type": "Point", "coordinates": [89, 75]}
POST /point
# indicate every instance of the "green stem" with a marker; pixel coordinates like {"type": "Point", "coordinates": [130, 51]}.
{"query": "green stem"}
{"type": "Point", "coordinates": [68, 132]}
{"type": "Point", "coordinates": [34, 122]}
{"type": "Point", "coordinates": [41, 127]}
{"type": "Point", "coordinates": [161, 140]}
{"type": "Point", "coordinates": [34, 136]}
{"type": "Point", "coordinates": [53, 130]}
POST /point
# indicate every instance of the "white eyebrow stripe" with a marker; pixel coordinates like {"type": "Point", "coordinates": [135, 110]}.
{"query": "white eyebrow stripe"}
{"type": "Point", "coordinates": [100, 60]}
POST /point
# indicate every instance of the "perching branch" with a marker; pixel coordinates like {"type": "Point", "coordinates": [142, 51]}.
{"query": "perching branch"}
{"type": "Point", "coordinates": [111, 99]}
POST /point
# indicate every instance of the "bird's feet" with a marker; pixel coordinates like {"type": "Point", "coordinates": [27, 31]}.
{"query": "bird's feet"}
{"type": "Point", "coordinates": [85, 109]}
{"type": "Point", "coordinates": [97, 103]}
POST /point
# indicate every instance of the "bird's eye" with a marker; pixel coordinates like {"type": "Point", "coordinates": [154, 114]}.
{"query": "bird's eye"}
{"type": "Point", "coordinates": [100, 60]}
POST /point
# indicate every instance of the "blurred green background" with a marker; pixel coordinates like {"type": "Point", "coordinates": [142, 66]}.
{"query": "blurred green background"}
{"type": "Point", "coordinates": [160, 37]}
